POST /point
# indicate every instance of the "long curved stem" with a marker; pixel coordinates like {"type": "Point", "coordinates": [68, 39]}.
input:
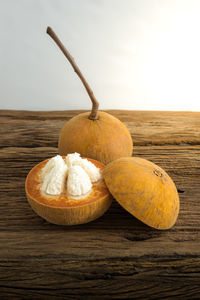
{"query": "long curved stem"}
{"type": "Point", "coordinates": [95, 103]}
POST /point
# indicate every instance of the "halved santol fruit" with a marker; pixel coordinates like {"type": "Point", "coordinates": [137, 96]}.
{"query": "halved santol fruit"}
{"type": "Point", "coordinates": [144, 189]}
{"type": "Point", "coordinates": [94, 134]}
{"type": "Point", "coordinates": [48, 191]}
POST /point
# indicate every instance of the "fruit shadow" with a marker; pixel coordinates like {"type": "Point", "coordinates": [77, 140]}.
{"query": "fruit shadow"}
{"type": "Point", "coordinates": [121, 222]}
{"type": "Point", "coordinates": [116, 221]}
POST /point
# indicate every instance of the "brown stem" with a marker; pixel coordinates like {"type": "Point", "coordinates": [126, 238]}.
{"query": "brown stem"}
{"type": "Point", "coordinates": [95, 103]}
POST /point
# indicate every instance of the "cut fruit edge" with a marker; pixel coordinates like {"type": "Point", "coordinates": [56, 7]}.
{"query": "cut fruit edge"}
{"type": "Point", "coordinates": [34, 193]}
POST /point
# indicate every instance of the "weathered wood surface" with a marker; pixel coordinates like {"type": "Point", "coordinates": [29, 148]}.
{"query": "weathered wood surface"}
{"type": "Point", "coordinates": [116, 256]}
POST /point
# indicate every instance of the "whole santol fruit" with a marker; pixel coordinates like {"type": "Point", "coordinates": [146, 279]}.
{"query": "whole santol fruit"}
{"type": "Point", "coordinates": [97, 134]}
{"type": "Point", "coordinates": [63, 193]}
{"type": "Point", "coordinates": [144, 189]}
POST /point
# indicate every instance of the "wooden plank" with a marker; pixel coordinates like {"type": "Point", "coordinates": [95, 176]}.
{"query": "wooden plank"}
{"type": "Point", "coordinates": [35, 129]}
{"type": "Point", "coordinates": [181, 162]}
{"type": "Point", "coordinates": [116, 256]}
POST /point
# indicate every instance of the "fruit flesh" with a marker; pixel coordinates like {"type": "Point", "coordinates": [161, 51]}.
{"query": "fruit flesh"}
{"type": "Point", "coordinates": [143, 189]}
{"type": "Point", "coordinates": [104, 139]}
{"type": "Point", "coordinates": [63, 210]}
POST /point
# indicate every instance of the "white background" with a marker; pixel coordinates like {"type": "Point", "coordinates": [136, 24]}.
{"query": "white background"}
{"type": "Point", "coordinates": [135, 54]}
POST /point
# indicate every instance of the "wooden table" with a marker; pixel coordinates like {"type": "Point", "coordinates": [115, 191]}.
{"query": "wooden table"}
{"type": "Point", "coordinates": [116, 256]}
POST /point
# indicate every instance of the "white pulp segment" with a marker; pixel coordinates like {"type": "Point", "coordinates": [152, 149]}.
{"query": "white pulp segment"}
{"type": "Point", "coordinates": [78, 182]}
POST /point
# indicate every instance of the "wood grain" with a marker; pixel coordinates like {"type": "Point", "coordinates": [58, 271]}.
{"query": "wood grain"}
{"type": "Point", "coordinates": [116, 256]}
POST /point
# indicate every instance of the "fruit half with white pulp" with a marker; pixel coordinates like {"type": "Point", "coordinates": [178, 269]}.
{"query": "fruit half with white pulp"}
{"type": "Point", "coordinates": [68, 197]}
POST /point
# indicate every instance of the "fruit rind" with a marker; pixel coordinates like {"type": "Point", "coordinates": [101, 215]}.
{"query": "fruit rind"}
{"type": "Point", "coordinates": [144, 189]}
{"type": "Point", "coordinates": [71, 216]}
{"type": "Point", "coordinates": [104, 139]}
